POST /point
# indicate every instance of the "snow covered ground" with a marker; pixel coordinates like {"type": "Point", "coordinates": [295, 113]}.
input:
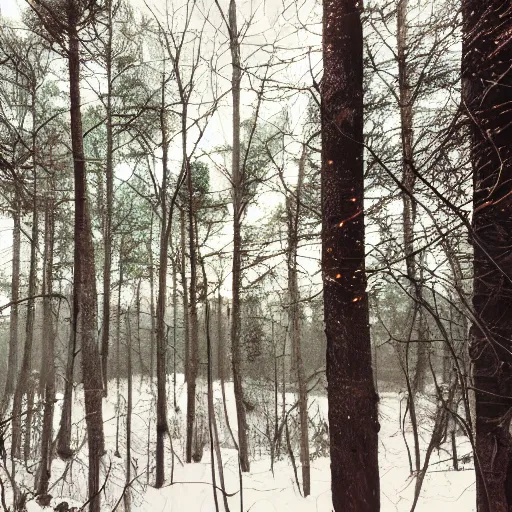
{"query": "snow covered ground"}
{"type": "Point", "coordinates": [444, 490]}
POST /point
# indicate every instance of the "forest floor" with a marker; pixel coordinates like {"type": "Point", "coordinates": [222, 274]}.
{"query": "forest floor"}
{"type": "Point", "coordinates": [444, 489]}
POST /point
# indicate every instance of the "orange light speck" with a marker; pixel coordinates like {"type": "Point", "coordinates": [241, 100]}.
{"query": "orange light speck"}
{"type": "Point", "coordinates": [338, 276]}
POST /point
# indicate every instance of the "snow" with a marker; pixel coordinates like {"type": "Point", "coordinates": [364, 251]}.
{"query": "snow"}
{"type": "Point", "coordinates": [444, 489]}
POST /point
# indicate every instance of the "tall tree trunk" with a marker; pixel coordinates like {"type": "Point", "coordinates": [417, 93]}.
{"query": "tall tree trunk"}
{"type": "Point", "coordinates": [487, 94]}
{"type": "Point", "coordinates": [161, 374]}
{"type": "Point", "coordinates": [32, 287]}
{"type": "Point", "coordinates": [294, 313]}
{"type": "Point", "coordinates": [220, 340]}
{"type": "Point", "coordinates": [12, 365]}
{"type": "Point", "coordinates": [107, 235]}
{"type": "Point", "coordinates": [184, 285]}
{"type": "Point", "coordinates": [26, 365]}
{"type": "Point", "coordinates": [151, 306]}
{"type": "Point", "coordinates": [64, 435]}
{"type": "Point", "coordinates": [127, 491]}
{"type": "Point", "coordinates": [192, 313]}
{"type": "Point", "coordinates": [212, 422]}
{"type": "Point", "coordinates": [237, 181]}
{"type": "Point", "coordinates": [193, 326]}
{"type": "Point", "coordinates": [406, 103]}
{"type": "Point", "coordinates": [118, 347]}
{"type": "Point", "coordinates": [353, 415]}
{"type": "Point", "coordinates": [84, 293]}
{"type": "Point", "coordinates": [48, 354]}
{"type": "Point", "coordinates": [174, 331]}
{"type": "Point", "coordinates": [142, 365]}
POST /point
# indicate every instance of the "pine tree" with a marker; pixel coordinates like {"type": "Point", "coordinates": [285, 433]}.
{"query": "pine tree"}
{"type": "Point", "coordinates": [352, 399]}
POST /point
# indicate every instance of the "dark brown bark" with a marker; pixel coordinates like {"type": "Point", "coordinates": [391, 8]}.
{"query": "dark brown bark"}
{"type": "Point", "coordinates": [487, 95]}
{"type": "Point", "coordinates": [84, 293]}
{"type": "Point", "coordinates": [353, 418]}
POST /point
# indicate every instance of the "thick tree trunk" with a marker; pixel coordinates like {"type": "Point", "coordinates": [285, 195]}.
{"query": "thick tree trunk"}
{"type": "Point", "coordinates": [487, 94]}
{"type": "Point", "coordinates": [237, 181]}
{"type": "Point", "coordinates": [353, 415]}
{"type": "Point", "coordinates": [84, 294]}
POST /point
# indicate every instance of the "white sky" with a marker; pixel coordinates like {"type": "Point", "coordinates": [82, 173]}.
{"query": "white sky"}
{"type": "Point", "coordinates": [267, 26]}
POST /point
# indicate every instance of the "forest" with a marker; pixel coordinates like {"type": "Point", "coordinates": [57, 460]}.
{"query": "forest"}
{"type": "Point", "coordinates": [256, 255]}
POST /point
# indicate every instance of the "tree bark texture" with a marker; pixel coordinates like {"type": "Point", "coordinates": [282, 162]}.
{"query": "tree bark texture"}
{"type": "Point", "coordinates": [15, 293]}
{"type": "Point", "coordinates": [294, 321]}
{"type": "Point", "coordinates": [161, 349]}
{"type": "Point", "coordinates": [237, 184]}
{"type": "Point", "coordinates": [127, 491]}
{"type": "Point", "coordinates": [184, 285]}
{"type": "Point", "coordinates": [406, 104]}
{"type": "Point", "coordinates": [84, 294]}
{"type": "Point", "coordinates": [107, 235]}
{"type": "Point", "coordinates": [12, 366]}
{"type": "Point", "coordinates": [26, 364]}
{"type": "Point", "coordinates": [487, 97]}
{"type": "Point", "coordinates": [48, 353]}
{"type": "Point", "coordinates": [353, 418]}
{"type": "Point", "coordinates": [192, 312]}
{"type": "Point", "coordinates": [64, 436]}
